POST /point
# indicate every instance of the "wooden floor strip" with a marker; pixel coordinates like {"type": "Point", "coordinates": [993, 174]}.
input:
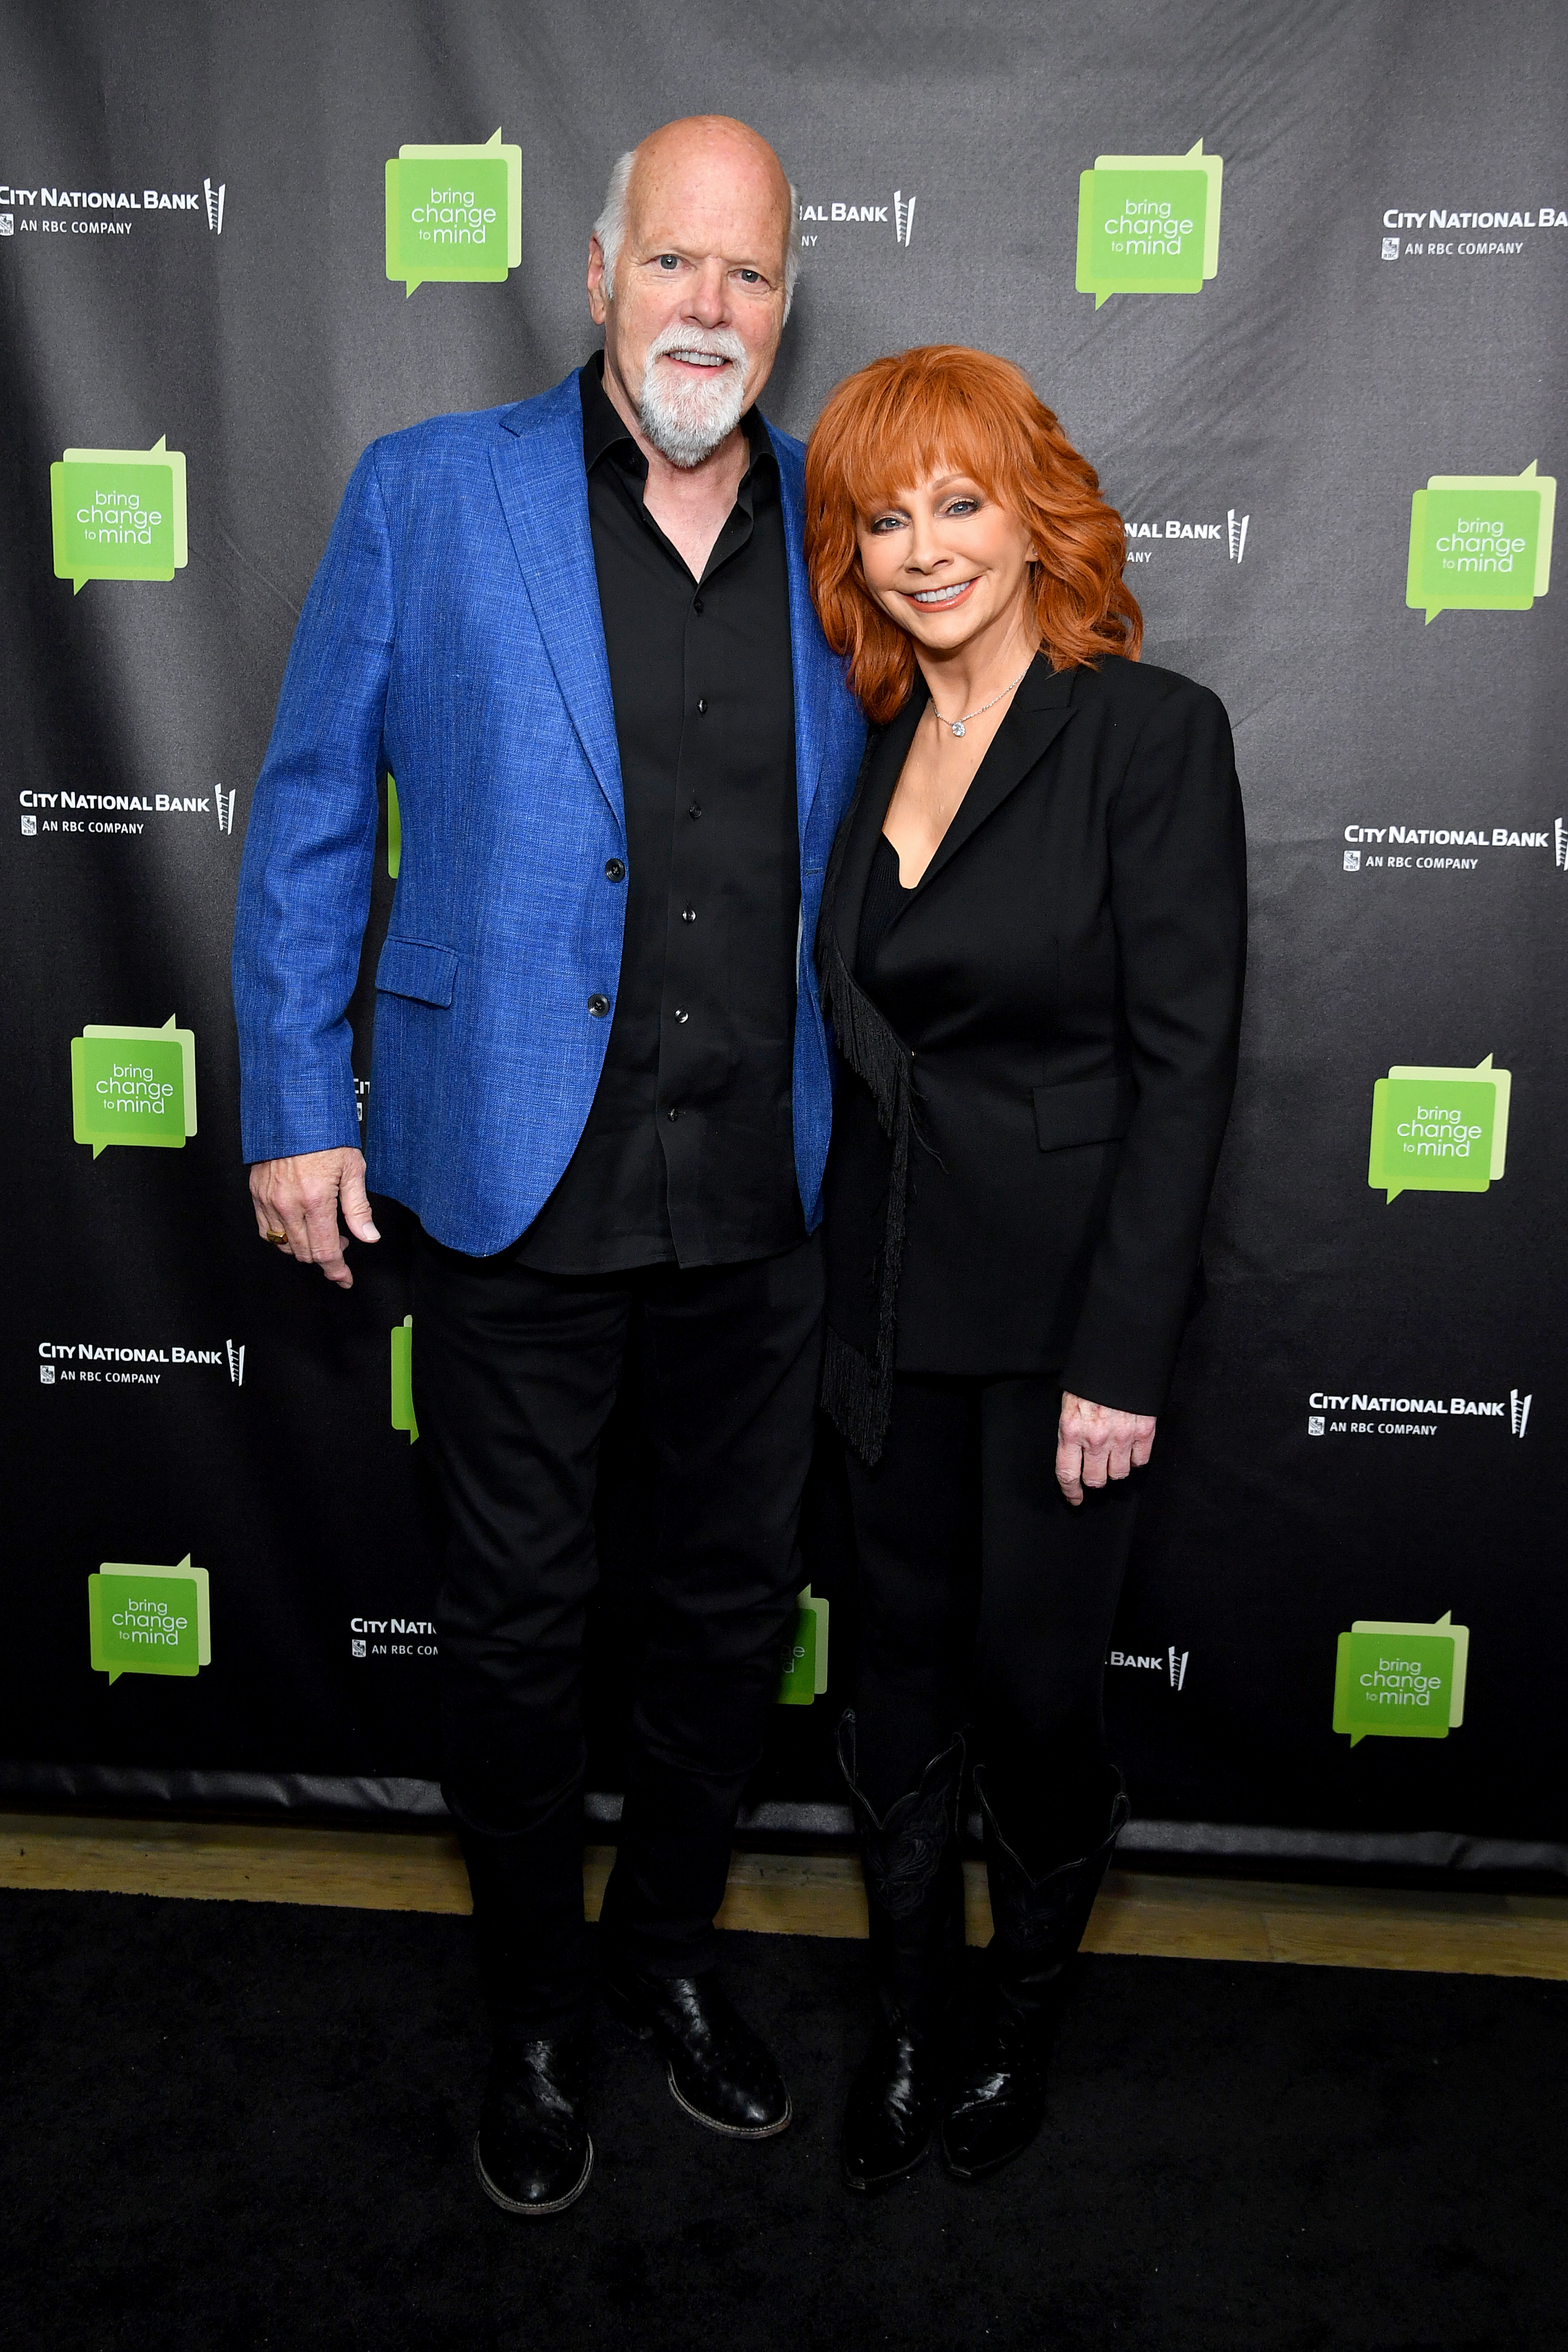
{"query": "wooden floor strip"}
{"type": "Point", "coordinates": [1141, 1913]}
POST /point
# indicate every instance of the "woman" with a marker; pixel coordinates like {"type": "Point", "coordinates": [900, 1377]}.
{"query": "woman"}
{"type": "Point", "coordinates": [1032, 949]}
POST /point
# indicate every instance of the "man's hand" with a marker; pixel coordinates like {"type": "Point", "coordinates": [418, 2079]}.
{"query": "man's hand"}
{"type": "Point", "coordinates": [1094, 1442]}
{"type": "Point", "coordinates": [297, 1203]}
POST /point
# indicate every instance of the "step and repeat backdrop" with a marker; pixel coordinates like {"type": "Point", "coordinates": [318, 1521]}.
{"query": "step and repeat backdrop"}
{"type": "Point", "coordinates": [1294, 278]}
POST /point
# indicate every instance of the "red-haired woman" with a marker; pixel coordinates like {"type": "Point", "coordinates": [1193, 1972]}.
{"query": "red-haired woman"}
{"type": "Point", "coordinates": [1032, 947]}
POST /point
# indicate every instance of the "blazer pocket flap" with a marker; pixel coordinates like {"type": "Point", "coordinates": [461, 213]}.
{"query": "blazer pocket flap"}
{"type": "Point", "coordinates": [415, 968]}
{"type": "Point", "coordinates": [1091, 1110]}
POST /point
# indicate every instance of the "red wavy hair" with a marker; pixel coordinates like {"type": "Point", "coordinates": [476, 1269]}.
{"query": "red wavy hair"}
{"type": "Point", "coordinates": [900, 421]}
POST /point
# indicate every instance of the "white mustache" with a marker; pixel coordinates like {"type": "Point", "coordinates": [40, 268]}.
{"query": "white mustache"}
{"type": "Point", "coordinates": [714, 342]}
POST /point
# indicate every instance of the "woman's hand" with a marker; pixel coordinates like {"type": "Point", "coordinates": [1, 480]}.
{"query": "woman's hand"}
{"type": "Point", "coordinates": [1095, 1442]}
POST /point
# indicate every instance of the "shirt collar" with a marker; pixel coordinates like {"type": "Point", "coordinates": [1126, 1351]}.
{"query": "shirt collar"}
{"type": "Point", "coordinates": [605, 428]}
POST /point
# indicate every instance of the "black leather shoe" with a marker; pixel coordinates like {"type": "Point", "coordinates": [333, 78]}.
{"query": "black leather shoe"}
{"type": "Point", "coordinates": [718, 2070]}
{"type": "Point", "coordinates": [532, 2152]}
{"type": "Point", "coordinates": [891, 2110]}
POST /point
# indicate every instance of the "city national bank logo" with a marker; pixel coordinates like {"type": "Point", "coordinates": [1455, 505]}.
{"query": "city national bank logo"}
{"type": "Point", "coordinates": [362, 1643]}
{"type": "Point", "coordinates": [1415, 847]}
{"type": "Point", "coordinates": [1480, 542]}
{"type": "Point", "coordinates": [1173, 1665]}
{"type": "Point", "coordinates": [1396, 1680]}
{"type": "Point", "coordinates": [113, 812]}
{"type": "Point", "coordinates": [133, 1085]}
{"type": "Point", "coordinates": [62, 1362]}
{"type": "Point", "coordinates": [1439, 1130]}
{"type": "Point", "coordinates": [1148, 224]}
{"type": "Point", "coordinates": [102, 212]}
{"type": "Point", "coordinates": [119, 514]}
{"type": "Point", "coordinates": [454, 213]}
{"type": "Point", "coordinates": [1442, 233]}
{"type": "Point", "coordinates": [149, 1621]}
{"type": "Point", "coordinates": [899, 216]}
{"type": "Point", "coordinates": [1230, 534]}
{"type": "Point", "coordinates": [1357, 1413]}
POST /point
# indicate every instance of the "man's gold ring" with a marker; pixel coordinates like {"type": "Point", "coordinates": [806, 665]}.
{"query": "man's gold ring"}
{"type": "Point", "coordinates": [272, 1237]}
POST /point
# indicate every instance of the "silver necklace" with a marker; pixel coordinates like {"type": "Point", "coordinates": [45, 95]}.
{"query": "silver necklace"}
{"type": "Point", "coordinates": [958, 725]}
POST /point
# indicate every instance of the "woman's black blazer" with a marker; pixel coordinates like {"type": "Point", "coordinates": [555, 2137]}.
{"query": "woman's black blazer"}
{"type": "Point", "coordinates": [1064, 990]}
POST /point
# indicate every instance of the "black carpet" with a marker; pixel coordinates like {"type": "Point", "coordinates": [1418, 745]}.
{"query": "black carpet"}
{"type": "Point", "coordinates": [231, 2126]}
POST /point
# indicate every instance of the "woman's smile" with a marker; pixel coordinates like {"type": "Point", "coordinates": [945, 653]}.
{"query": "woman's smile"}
{"type": "Point", "coordinates": [953, 595]}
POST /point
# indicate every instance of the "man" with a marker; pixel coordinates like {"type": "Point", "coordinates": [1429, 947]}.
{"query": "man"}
{"type": "Point", "coordinates": [577, 632]}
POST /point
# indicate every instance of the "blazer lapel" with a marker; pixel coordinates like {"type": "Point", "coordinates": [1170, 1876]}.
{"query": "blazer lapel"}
{"type": "Point", "coordinates": [815, 672]}
{"type": "Point", "coordinates": [537, 462]}
{"type": "Point", "coordinates": [882, 771]}
{"type": "Point", "coordinates": [1040, 709]}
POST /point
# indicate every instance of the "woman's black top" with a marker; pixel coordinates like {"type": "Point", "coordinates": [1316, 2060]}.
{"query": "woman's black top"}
{"type": "Point", "coordinates": [1039, 1047]}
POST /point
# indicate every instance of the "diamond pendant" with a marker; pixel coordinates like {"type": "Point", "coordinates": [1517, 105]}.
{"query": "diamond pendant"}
{"type": "Point", "coordinates": [958, 727]}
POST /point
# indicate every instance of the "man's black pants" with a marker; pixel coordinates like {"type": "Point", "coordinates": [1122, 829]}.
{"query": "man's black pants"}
{"type": "Point", "coordinates": [515, 1374]}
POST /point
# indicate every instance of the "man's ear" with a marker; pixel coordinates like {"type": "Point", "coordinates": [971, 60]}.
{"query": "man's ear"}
{"type": "Point", "coordinates": [596, 304]}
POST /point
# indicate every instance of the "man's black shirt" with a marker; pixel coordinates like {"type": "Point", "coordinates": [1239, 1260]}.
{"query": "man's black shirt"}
{"type": "Point", "coordinates": [689, 1151]}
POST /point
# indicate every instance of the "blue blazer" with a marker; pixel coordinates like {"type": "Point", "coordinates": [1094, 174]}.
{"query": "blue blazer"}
{"type": "Point", "coordinates": [453, 636]}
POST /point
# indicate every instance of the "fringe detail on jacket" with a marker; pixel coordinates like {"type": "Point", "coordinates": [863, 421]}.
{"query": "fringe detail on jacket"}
{"type": "Point", "coordinates": [858, 1390]}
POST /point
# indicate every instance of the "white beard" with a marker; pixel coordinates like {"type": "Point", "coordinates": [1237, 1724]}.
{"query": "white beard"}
{"type": "Point", "coordinates": [687, 418]}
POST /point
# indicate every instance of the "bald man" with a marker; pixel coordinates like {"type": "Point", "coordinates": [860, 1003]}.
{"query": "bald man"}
{"type": "Point", "coordinates": [576, 630]}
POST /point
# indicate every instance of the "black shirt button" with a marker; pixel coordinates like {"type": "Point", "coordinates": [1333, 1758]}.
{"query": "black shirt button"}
{"type": "Point", "coordinates": [681, 1014]}
{"type": "Point", "coordinates": [598, 1005]}
{"type": "Point", "coordinates": [697, 604]}
{"type": "Point", "coordinates": [689, 914]}
{"type": "Point", "coordinates": [695, 811]}
{"type": "Point", "coordinates": [701, 707]}
{"type": "Point", "coordinates": [614, 870]}
{"type": "Point", "coordinates": [672, 1114]}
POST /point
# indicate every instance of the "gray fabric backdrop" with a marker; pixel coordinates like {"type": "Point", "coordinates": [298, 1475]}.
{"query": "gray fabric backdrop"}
{"type": "Point", "coordinates": [1387, 308]}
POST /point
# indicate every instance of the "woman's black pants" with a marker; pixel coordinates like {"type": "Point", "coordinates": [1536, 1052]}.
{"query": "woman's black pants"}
{"type": "Point", "coordinates": [987, 1598]}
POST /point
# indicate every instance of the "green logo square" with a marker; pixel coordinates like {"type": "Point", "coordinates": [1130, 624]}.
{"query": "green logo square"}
{"type": "Point", "coordinates": [118, 514]}
{"type": "Point", "coordinates": [1480, 542]}
{"type": "Point", "coordinates": [1439, 1130]}
{"type": "Point", "coordinates": [149, 1621]}
{"type": "Point", "coordinates": [1395, 1680]}
{"type": "Point", "coordinates": [804, 1674]}
{"type": "Point", "coordinates": [133, 1085]}
{"type": "Point", "coordinates": [403, 1415]}
{"type": "Point", "coordinates": [1148, 224]}
{"type": "Point", "coordinates": [454, 213]}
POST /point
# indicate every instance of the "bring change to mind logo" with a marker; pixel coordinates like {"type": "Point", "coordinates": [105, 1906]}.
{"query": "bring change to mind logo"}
{"type": "Point", "coordinates": [119, 514]}
{"type": "Point", "coordinates": [1148, 224]}
{"type": "Point", "coordinates": [149, 1621]}
{"type": "Point", "coordinates": [805, 1676]}
{"type": "Point", "coordinates": [403, 1414]}
{"type": "Point", "coordinates": [133, 1085]}
{"type": "Point", "coordinates": [1480, 542]}
{"type": "Point", "coordinates": [1439, 1130]}
{"type": "Point", "coordinates": [1395, 1680]}
{"type": "Point", "coordinates": [454, 213]}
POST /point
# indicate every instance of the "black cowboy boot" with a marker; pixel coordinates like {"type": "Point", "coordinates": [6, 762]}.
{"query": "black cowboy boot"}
{"type": "Point", "coordinates": [532, 2152]}
{"type": "Point", "coordinates": [998, 2103]}
{"type": "Point", "coordinates": [914, 1897]}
